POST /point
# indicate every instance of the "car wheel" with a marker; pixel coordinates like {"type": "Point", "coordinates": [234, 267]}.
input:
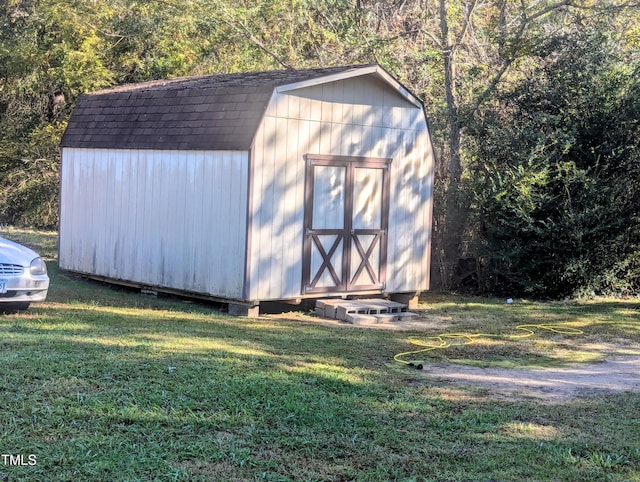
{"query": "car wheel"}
{"type": "Point", "coordinates": [9, 308]}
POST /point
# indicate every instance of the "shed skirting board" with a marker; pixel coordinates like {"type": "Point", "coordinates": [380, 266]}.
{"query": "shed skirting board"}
{"type": "Point", "coordinates": [172, 219]}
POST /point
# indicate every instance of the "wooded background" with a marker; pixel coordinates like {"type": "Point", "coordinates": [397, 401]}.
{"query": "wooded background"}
{"type": "Point", "coordinates": [534, 108]}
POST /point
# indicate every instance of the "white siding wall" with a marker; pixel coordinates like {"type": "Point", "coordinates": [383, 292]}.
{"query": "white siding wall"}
{"type": "Point", "coordinates": [174, 219]}
{"type": "Point", "coordinates": [354, 117]}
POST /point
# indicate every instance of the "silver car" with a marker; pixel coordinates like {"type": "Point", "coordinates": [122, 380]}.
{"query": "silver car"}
{"type": "Point", "coordinates": [23, 276]}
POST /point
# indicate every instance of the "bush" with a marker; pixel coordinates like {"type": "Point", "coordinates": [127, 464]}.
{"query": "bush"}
{"type": "Point", "coordinates": [555, 179]}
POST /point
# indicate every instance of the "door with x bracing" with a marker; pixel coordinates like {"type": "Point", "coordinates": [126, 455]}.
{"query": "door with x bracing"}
{"type": "Point", "coordinates": [346, 222]}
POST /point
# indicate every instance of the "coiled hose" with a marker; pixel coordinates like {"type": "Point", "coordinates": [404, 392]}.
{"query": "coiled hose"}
{"type": "Point", "coordinates": [446, 340]}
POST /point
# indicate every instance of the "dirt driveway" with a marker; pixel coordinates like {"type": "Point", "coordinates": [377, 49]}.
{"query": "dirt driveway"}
{"type": "Point", "coordinates": [615, 375]}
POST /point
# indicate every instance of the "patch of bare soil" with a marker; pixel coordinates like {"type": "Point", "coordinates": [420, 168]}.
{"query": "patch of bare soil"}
{"type": "Point", "coordinates": [615, 375]}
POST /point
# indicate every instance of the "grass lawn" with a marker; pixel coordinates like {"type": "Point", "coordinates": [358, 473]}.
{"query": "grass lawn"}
{"type": "Point", "coordinates": [101, 384]}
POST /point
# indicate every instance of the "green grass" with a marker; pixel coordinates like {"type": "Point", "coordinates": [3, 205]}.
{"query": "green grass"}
{"type": "Point", "coordinates": [105, 384]}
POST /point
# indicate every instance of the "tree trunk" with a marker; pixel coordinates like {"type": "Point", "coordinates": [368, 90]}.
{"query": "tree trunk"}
{"type": "Point", "coordinates": [453, 226]}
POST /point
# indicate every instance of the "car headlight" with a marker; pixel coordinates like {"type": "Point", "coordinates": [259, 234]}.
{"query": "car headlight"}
{"type": "Point", "coordinates": [38, 267]}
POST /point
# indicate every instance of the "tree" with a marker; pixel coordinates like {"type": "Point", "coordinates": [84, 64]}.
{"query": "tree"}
{"type": "Point", "coordinates": [484, 45]}
{"type": "Point", "coordinates": [556, 173]}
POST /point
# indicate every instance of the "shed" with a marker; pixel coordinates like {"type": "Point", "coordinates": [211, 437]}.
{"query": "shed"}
{"type": "Point", "coordinates": [243, 188]}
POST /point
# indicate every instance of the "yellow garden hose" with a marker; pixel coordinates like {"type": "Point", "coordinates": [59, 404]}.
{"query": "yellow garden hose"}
{"type": "Point", "coordinates": [446, 340]}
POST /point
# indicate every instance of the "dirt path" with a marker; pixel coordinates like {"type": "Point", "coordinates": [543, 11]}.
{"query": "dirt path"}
{"type": "Point", "coordinates": [615, 375]}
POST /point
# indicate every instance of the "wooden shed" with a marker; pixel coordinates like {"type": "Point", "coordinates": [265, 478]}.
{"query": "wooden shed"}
{"type": "Point", "coordinates": [278, 185]}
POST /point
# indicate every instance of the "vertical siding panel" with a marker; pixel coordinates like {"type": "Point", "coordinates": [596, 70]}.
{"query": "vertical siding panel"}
{"type": "Point", "coordinates": [151, 255]}
{"type": "Point", "coordinates": [76, 250]}
{"type": "Point", "coordinates": [397, 228]}
{"type": "Point", "coordinates": [357, 148]}
{"type": "Point", "coordinates": [349, 94]}
{"type": "Point", "coordinates": [190, 214]}
{"type": "Point", "coordinates": [127, 253]}
{"type": "Point", "coordinates": [393, 245]}
{"type": "Point", "coordinates": [259, 153]}
{"type": "Point", "coordinates": [105, 193]}
{"type": "Point", "coordinates": [129, 204]}
{"type": "Point", "coordinates": [369, 97]}
{"type": "Point", "coordinates": [96, 167]}
{"type": "Point", "coordinates": [415, 208]}
{"type": "Point", "coordinates": [91, 170]}
{"type": "Point", "coordinates": [324, 139]}
{"type": "Point", "coordinates": [243, 163]}
{"type": "Point", "coordinates": [180, 253]}
{"type": "Point", "coordinates": [199, 267]}
{"type": "Point", "coordinates": [305, 107]}
{"type": "Point", "coordinates": [240, 174]}
{"type": "Point", "coordinates": [167, 203]}
{"type": "Point", "coordinates": [326, 106]}
{"type": "Point", "coordinates": [218, 214]}
{"type": "Point", "coordinates": [315, 111]}
{"type": "Point", "coordinates": [155, 256]}
{"type": "Point", "coordinates": [263, 197]}
{"type": "Point", "coordinates": [142, 209]}
{"type": "Point", "coordinates": [116, 214]}
{"type": "Point", "coordinates": [253, 260]}
{"type": "Point", "coordinates": [314, 146]}
{"type": "Point", "coordinates": [109, 201]}
{"type": "Point", "coordinates": [281, 105]}
{"type": "Point", "coordinates": [293, 200]}
{"type": "Point", "coordinates": [277, 197]}
{"type": "Point", "coordinates": [424, 190]}
{"type": "Point", "coordinates": [337, 100]}
{"type": "Point", "coordinates": [179, 239]}
{"type": "Point", "coordinates": [209, 227]}
{"type": "Point", "coordinates": [147, 240]}
{"type": "Point", "coordinates": [294, 106]}
{"type": "Point", "coordinates": [427, 171]}
{"type": "Point", "coordinates": [226, 215]}
{"type": "Point", "coordinates": [410, 211]}
{"type": "Point", "coordinates": [216, 244]}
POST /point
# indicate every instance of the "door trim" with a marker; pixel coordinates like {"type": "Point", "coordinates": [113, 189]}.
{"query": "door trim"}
{"type": "Point", "coordinates": [347, 236]}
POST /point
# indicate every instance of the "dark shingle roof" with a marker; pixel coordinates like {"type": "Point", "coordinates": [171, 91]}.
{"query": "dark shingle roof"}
{"type": "Point", "coordinates": [213, 112]}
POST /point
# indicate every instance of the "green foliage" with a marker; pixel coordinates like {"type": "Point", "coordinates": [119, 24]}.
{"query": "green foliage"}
{"type": "Point", "coordinates": [556, 179]}
{"type": "Point", "coordinates": [52, 51]}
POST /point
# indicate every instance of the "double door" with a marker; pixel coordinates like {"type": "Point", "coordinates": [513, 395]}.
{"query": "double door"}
{"type": "Point", "coordinates": [346, 222]}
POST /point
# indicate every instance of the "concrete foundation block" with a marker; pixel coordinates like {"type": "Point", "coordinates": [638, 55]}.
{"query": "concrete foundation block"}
{"type": "Point", "coordinates": [237, 309]}
{"type": "Point", "coordinates": [347, 308]}
{"type": "Point", "coordinates": [328, 308]}
{"type": "Point", "coordinates": [386, 317]}
{"type": "Point", "coordinates": [410, 299]}
{"type": "Point", "coordinates": [356, 319]}
{"type": "Point", "coordinates": [407, 315]}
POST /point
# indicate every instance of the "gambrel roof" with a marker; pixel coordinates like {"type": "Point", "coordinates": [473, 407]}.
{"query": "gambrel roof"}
{"type": "Point", "coordinates": [212, 112]}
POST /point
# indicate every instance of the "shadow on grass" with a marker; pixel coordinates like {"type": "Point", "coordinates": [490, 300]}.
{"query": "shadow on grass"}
{"type": "Point", "coordinates": [101, 384]}
{"type": "Point", "coordinates": [127, 393]}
